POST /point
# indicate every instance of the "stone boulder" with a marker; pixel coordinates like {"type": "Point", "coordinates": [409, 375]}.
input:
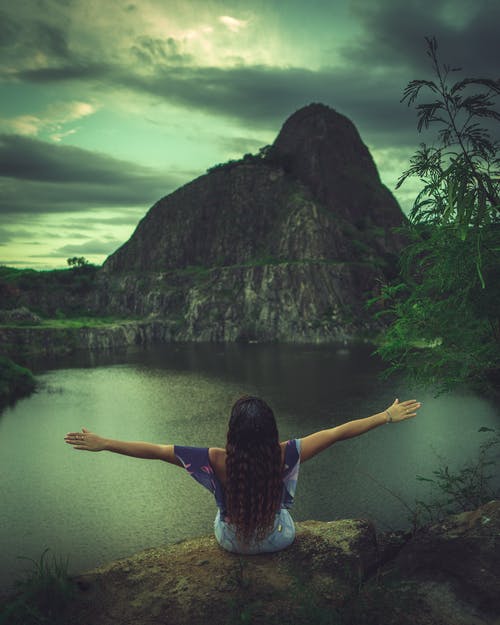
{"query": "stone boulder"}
{"type": "Point", "coordinates": [447, 574]}
{"type": "Point", "coordinates": [337, 572]}
{"type": "Point", "coordinates": [197, 582]}
{"type": "Point", "coordinates": [19, 315]}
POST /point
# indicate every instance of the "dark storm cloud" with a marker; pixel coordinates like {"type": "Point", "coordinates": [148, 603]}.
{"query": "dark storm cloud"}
{"type": "Point", "coordinates": [63, 178]}
{"type": "Point", "coordinates": [367, 87]}
{"type": "Point", "coordinates": [22, 40]}
{"type": "Point", "coordinates": [8, 30]}
{"type": "Point", "coordinates": [265, 96]}
{"type": "Point", "coordinates": [51, 40]}
{"type": "Point", "coordinates": [40, 197]}
{"type": "Point", "coordinates": [261, 95]}
{"type": "Point", "coordinates": [395, 31]}
{"type": "Point", "coordinates": [33, 159]}
{"type": "Point", "coordinates": [83, 71]}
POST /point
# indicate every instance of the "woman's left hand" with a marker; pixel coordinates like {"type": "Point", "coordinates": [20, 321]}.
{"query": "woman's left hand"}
{"type": "Point", "coordinates": [401, 411]}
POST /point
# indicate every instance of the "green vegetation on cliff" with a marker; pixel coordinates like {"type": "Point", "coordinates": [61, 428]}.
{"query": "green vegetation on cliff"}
{"type": "Point", "coordinates": [447, 296]}
{"type": "Point", "coordinates": [46, 292]}
{"type": "Point", "coordinates": [15, 381]}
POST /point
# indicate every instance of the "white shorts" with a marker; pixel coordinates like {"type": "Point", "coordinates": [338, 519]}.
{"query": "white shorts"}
{"type": "Point", "coordinates": [282, 535]}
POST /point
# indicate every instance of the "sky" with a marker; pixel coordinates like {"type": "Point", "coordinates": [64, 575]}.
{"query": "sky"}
{"type": "Point", "coordinates": [105, 107]}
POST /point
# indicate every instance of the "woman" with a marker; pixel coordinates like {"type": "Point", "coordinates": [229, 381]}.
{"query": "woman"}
{"type": "Point", "coordinates": [254, 478]}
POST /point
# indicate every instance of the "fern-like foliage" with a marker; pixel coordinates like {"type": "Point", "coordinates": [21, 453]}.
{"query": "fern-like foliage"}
{"type": "Point", "coordinates": [445, 307]}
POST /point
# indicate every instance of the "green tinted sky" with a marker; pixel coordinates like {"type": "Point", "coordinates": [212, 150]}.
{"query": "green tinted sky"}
{"type": "Point", "coordinates": [108, 106]}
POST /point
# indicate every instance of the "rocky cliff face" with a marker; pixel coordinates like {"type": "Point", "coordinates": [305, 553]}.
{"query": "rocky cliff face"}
{"type": "Point", "coordinates": [25, 342]}
{"type": "Point", "coordinates": [286, 247]}
{"type": "Point", "coordinates": [324, 151]}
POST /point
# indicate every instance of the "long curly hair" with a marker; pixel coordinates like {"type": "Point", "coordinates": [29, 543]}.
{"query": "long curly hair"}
{"type": "Point", "coordinates": [253, 469]}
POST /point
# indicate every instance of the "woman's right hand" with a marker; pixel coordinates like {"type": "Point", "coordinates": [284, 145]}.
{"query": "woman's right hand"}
{"type": "Point", "coordinates": [86, 440]}
{"type": "Point", "coordinates": [401, 411]}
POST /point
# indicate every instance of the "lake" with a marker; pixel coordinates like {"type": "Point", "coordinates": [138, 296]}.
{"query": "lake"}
{"type": "Point", "coordinates": [96, 507]}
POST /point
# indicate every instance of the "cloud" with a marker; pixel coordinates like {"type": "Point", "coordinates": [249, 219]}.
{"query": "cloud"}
{"type": "Point", "coordinates": [154, 50]}
{"type": "Point", "coordinates": [366, 85]}
{"type": "Point", "coordinates": [394, 31]}
{"type": "Point", "coordinates": [233, 24]}
{"type": "Point", "coordinates": [59, 136]}
{"type": "Point", "coordinates": [94, 220]}
{"type": "Point", "coordinates": [8, 30]}
{"type": "Point", "coordinates": [59, 178]}
{"type": "Point", "coordinates": [11, 234]}
{"type": "Point", "coordinates": [241, 145]}
{"type": "Point", "coordinates": [33, 41]}
{"type": "Point", "coordinates": [90, 247]}
{"type": "Point", "coordinates": [53, 120]}
{"type": "Point", "coordinates": [24, 263]}
{"type": "Point", "coordinates": [261, 96]}
{"type": "Point", "coordinates": [32, 159]}
{"type": "Point", "coordinates": [81, 70]}
{"type": "Point", "coordinates": [28, 125]}
{"type": "Point", "coordinates": [51, 39]}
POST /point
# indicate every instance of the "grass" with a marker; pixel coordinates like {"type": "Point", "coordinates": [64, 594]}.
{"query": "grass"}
{"type": "Point", "coordinates": [42, 597]}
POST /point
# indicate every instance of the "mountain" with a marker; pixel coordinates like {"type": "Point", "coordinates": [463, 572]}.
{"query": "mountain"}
{"type": "Point", "coordinates": [286, 245]}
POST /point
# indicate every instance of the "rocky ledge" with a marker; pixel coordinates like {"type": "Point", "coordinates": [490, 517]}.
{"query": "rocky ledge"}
{"type": "Point", "coordinates": [335, 572]}
{"type": "Point", "coordinates": [47, 341]}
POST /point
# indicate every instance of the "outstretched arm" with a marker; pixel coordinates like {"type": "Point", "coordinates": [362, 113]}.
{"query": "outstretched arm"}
{"type": "Point", "coordinates": [89, 441]}
{"type": "Point", "coordinates": [314, 443]}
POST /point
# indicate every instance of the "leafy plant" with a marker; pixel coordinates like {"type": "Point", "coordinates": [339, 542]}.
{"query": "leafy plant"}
{"type": "Point", "coordinates": [460, 174]}
{"type": "Point", "coordinates": [77, 261]}
{"type": "Point", "coordinates": [444, 309]}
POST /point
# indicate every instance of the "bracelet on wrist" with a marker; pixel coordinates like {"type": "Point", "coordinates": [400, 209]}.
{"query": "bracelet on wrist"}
{"type": "Point", "coordinates": [389, 417]}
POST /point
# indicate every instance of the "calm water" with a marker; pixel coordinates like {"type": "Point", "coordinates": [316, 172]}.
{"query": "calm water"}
{"type": "Point", "coordinates": [95, 507]}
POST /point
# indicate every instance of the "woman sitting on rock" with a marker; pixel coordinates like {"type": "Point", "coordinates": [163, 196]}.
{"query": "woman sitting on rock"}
{"type": "Point", "coordinates": [255, 476]}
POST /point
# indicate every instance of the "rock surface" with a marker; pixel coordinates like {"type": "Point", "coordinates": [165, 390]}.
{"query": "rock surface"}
{"type": "Point", "coordinates": [335, 572]}
{"type": "Point", "coordinates": [288, 247]}
{"type": "Point", "coordinates": [196, 581]}
{"type": "Point", "coordinates": [19, 315]}
{"type": "Point", "coordinates": [447, 574]}
{"type": "Point", "coordinates": [44, 341]}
